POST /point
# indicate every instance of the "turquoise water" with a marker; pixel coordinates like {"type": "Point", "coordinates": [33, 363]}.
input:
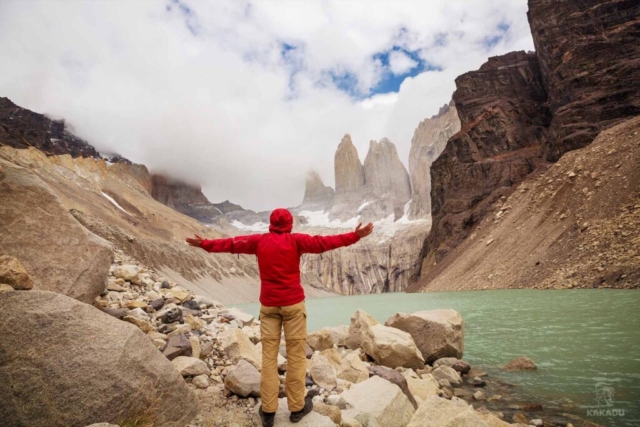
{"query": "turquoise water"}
{"type": "Point", "coordinates": [580, 340]}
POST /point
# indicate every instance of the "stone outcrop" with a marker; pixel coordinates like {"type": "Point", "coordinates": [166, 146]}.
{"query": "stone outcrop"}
{"type": "Point", "coordinates": [437, 333]}
{"type": "Point", "coordinates": [317, 196]}
{"type": "Point", "coordinates": [429, 140]}
{"type": "Point", "coordinates": [115, 373]}
{"type": "Point", "coordinates": [387, 187]}
{"type": "Point", "coordinates": [521, 363]}
{"type": "Point", "coordinates": [590, 60]}
{"type": "Point", "coordinates": [22, 128]}
{"type": "Point", "coordinates": [504, 118]}
{"type": "Point", "coordinates": [59, 254]}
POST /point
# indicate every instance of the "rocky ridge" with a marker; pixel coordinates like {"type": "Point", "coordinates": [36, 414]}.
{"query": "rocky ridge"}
{"type": "Point", "coordinates": [570, 225]}
{"type": "Point", "coordinates": [21, 128]}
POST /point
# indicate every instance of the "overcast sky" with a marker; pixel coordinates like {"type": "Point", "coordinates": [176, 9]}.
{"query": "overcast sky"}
{"type": "Point", "coordinates": [243, 97]}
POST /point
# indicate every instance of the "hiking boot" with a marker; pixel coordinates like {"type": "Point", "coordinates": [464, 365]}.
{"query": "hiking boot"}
{"type": "Point", "coordinates": [297, 416]}
{"type": "Point", "coordinates": [268, 418]}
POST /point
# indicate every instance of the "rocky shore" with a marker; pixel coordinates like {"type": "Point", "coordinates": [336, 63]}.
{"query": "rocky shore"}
{"type": "Point", "coordinates": [155, 354]}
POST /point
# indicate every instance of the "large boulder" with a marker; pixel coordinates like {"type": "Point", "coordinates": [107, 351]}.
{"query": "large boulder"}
{"type": "Point", "coordinates": [13, 273]}
{"type": "Point", "coordinates": [59, 254]}
{"type": "Point", "coordinates": [380, 398]}
{"type": "Point", "coordinates": [396, 378]}
{"type": "Point", "coordinates": [392, 347]}
{"type": "Point", "coordinates": [437, 333]}
{"type": "Point", "coordinates": [388, 346]}
{"type": "Point", "coordinates": [237, 346]}
{"type": "Point", "coordinates": [66, 363]}
{"type": "Point", "coordinates": [447, 373]}
{"type": "Point", "coordinates": [243, 380]}
{"type": "Point", "coordinates": [361, 321]}
{"type": "Point", "coordinates": [439, 412]}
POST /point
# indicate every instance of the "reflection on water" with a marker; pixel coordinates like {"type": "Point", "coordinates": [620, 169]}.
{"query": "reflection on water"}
{"type": "Point", "coordinates": [580, 339]}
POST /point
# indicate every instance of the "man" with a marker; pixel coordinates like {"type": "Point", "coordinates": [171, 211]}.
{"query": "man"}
{"type": "Point", "coordinates": [282, 302]}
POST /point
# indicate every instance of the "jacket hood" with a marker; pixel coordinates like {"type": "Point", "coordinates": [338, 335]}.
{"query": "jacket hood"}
{"type": "Point", "coordinates": [281, 221]}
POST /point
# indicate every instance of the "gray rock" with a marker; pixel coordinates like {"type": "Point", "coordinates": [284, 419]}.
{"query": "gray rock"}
{"type": "Point", "coordinates": [190, 366]}
{"type": "Point", "coordinates": [237, 346]}
{"type": "Point", "coordinates": [58, 253]}
{"type": "Point", "coordinates": [243, 379]}
{"type": "Point", "coordinates": [177, 345]}
{"type": "Point", "coordinates": [314, 419]}
{"type": "Point", "coordinates": [447, 373]}
{"type": "Point", "coordinates": [201, 381]}
{"type": "Point", "coordinates": [112, 363]}
{"type": "Point", "coordinates": [324, 375]}
{"type": "Point", "coordinates": [128, 273]}
{"type": "Point", "coordinates": [336, 400]}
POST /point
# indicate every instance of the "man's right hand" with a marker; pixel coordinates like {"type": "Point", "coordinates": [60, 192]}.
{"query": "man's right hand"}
{"type": "Point", "coordinates": [364, 231]}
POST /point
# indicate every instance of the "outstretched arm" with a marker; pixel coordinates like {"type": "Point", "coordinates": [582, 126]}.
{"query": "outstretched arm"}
{"type": "Point", "coordinates": [234, 245]}
{"type": "Point", "coordinates": [318, 244]}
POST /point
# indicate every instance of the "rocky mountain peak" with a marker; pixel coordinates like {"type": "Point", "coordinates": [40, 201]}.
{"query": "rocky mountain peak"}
{"type": "Point", "coordinates": [384, 172]}
{"type": "Point", "coordinates": [349, 172]}
{"type": "Point", "coordinates": [429, 139]}
{"type": "Point", "coordinates": [22, 128]}
{"type": "Point", "coordinates": [315, 192]}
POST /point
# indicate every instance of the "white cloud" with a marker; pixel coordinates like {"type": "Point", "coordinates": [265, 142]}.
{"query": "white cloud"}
{"type": "Point", "coordinates": [400, 63]}
{"type": "Point", "coordinates": [228, 106]}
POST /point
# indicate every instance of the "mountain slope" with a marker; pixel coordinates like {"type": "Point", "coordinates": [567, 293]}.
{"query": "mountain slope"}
{"type": "Point", "coordinates": [574, 224]}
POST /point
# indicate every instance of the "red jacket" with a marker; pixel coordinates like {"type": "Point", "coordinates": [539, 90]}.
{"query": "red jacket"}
{"type": "Point", "coordinates": [278, 255]}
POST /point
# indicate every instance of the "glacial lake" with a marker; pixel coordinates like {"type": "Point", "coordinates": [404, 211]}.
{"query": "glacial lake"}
{"type": "Point", "coordinates": [582, 341]}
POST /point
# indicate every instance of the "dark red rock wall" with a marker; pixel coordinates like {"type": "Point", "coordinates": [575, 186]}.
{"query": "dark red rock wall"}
{"type": "Point", "coordinates": [22, 128]}
{"type": "Point", "coordinates": [504, 118]}
{"type": "Point", "coordinates": [589, 53]}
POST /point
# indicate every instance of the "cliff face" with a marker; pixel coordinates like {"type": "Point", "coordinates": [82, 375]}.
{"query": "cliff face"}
{"type": "Point", "coordinates": [349, 179]}
{"type": "Point", "coordinates": [371, 266]}
{"type": "Point", "coordinates": [504, 118]}
{"type": "Point", "coordinates": [589, 54]}
{"type": "Point", "coordinates": [571, 225]}
{"type": "Point", "coordinates": [22, 128]}
{"type": "Point", "coordinates": [521, 109]}
{"type": "Point", "coordinates": [429, 139]}
{"type": "Point", "coordinates": [387, 188]}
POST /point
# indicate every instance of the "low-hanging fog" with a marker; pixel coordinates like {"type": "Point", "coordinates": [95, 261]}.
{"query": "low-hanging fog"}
{"type": "Point", "coordinates": [244, 97]}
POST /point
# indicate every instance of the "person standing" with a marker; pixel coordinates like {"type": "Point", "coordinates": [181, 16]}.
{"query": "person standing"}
{"type": "Point", "coordinates": [282, 302]}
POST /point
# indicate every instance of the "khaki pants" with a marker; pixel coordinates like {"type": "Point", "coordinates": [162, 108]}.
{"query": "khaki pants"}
{"type": "Point", "coordinates": [293, 319]}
